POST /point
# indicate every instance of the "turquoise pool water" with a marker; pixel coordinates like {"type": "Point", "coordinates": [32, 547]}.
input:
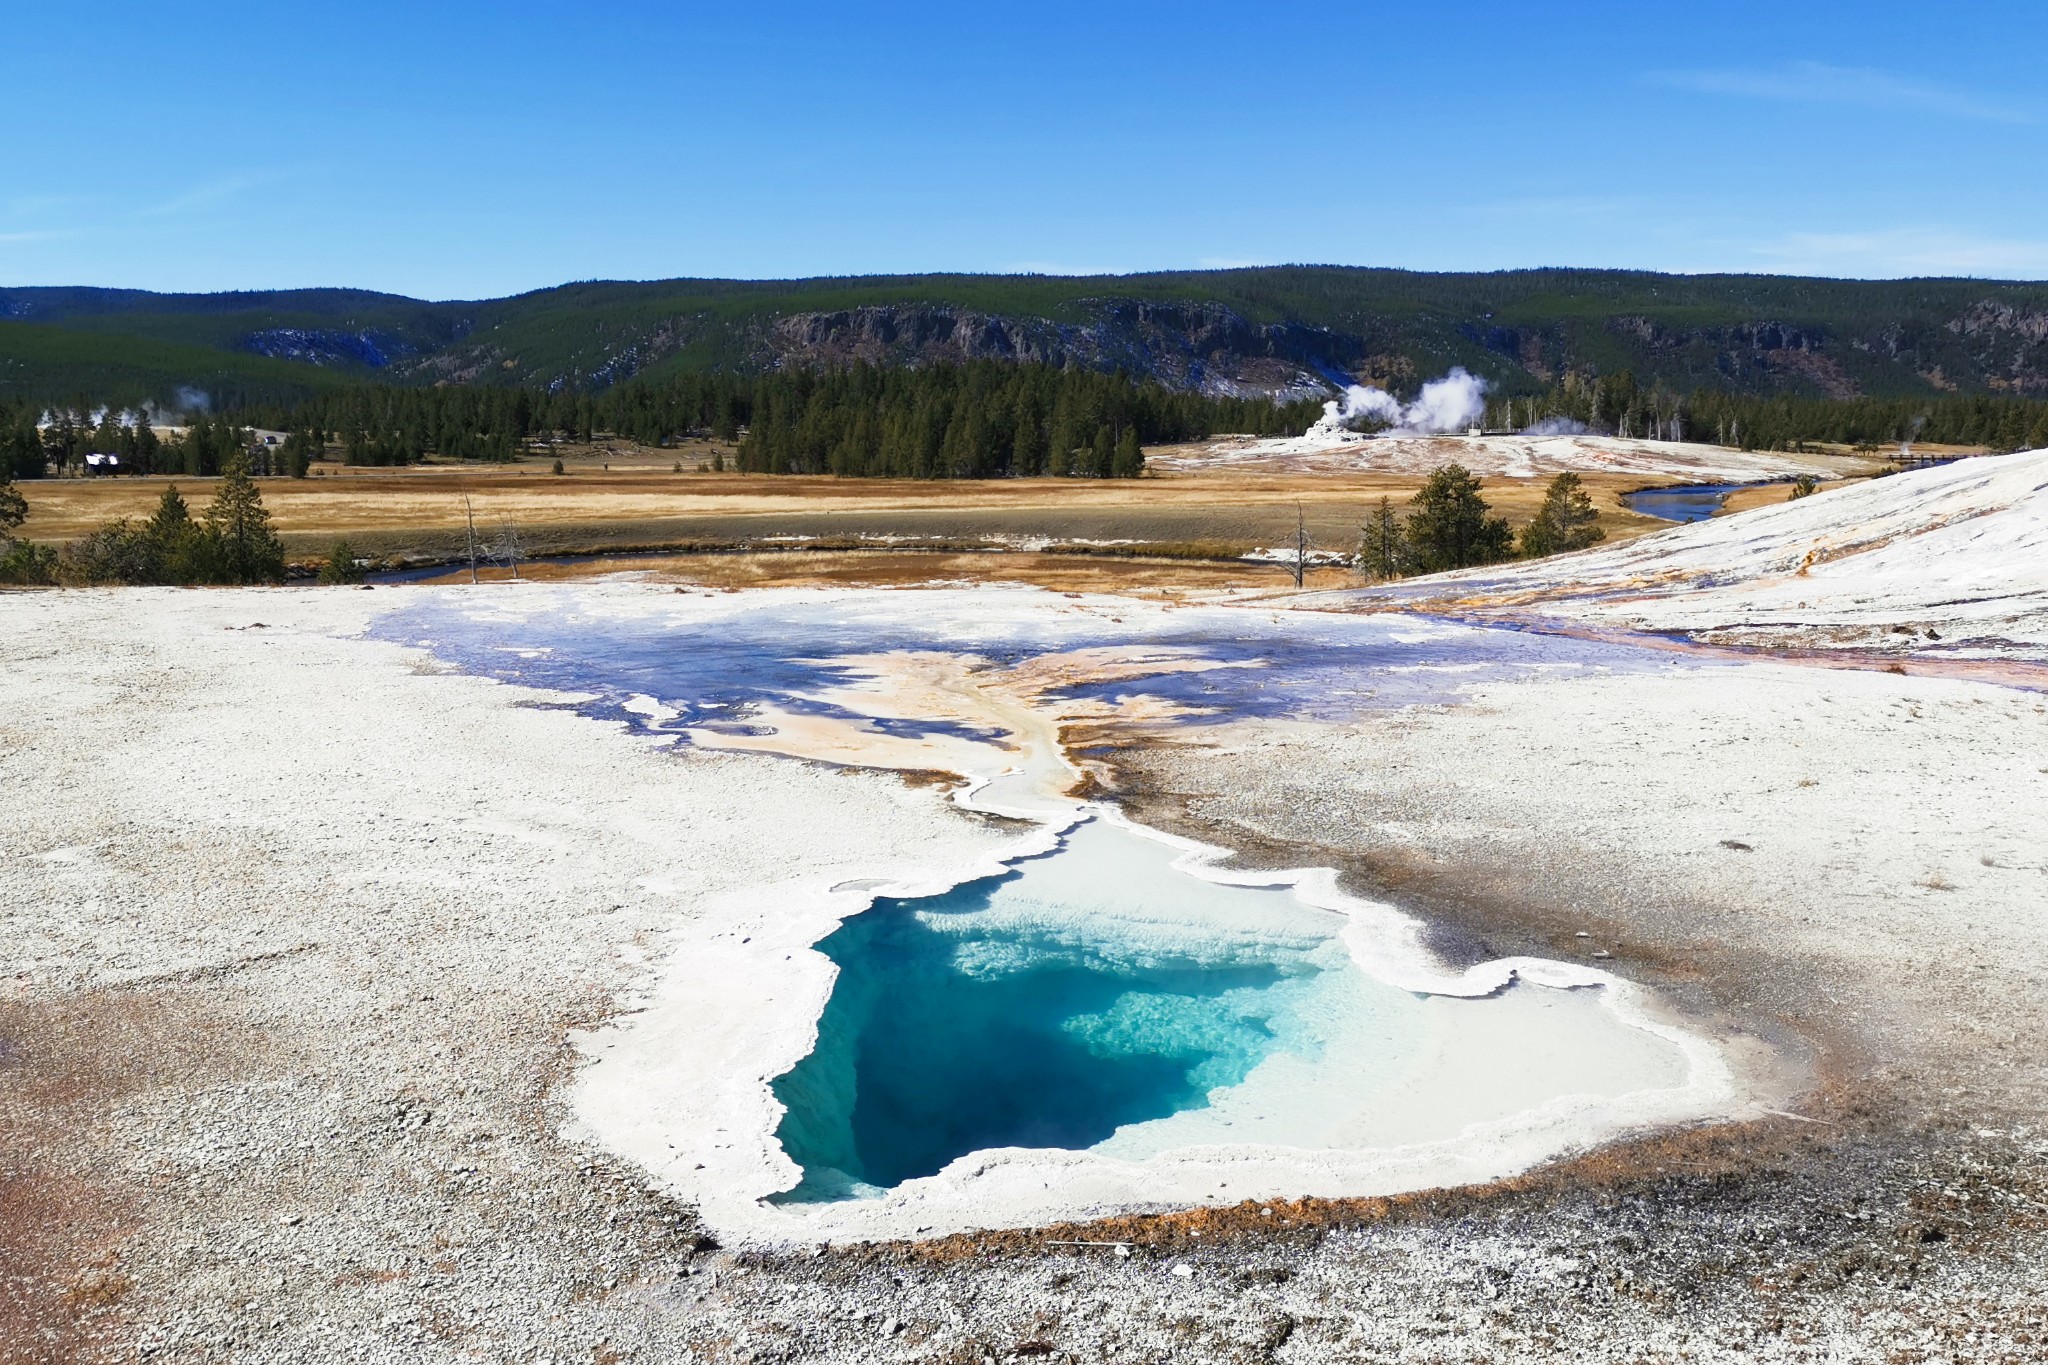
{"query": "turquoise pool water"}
{"type": "Point", "coordinates": [1093, 998]}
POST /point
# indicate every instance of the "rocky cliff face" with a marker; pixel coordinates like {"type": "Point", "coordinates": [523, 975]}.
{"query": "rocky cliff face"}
{"type": "Point", "coordinates": [1202, 347]}
{"type": "Point", "coordinates": [331, 346]}
{"type": "Point", "coordinates": [1210, 348]}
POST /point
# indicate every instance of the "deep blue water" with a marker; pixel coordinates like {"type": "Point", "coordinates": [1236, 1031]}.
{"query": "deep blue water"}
{"type": "Point", "coordinates": [1696, 502]}
{"type": "Point", "coordinates": [1084, 991]}
{"type": "Point", "coordinates": [920, 1062]}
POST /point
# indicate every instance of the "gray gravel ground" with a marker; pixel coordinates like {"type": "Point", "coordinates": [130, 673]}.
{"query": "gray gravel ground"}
{"type": "Point", "coordinates": [291, 949]}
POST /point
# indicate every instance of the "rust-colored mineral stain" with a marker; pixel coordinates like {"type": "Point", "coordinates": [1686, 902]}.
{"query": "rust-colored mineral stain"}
{"type": "Point", "coordinates": [67, 1219]}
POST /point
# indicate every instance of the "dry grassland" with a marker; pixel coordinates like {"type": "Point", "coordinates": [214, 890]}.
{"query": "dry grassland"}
{"type": "Point", "coordinates": [626, 499]}
{"type": "Point", "coordinates": [1763, 495]}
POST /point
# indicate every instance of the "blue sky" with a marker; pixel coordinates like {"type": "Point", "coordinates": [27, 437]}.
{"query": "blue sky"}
{"type": "Point", "coordinates": [452, 150]}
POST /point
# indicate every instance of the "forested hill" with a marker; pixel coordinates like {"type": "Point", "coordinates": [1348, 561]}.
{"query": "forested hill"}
{"type": "Point", "coordinates": [1282, 330]}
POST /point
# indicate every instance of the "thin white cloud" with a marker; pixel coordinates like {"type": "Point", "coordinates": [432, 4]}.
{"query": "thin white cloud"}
{"type": "Point", "coordinates": [41, 235]}
{"type": "Point", "coordinates": [1861, 87]}
{"type": "Point", "coordinates": [200, 196]}
{"type": "Point", "coordinates": [23, 205]}
{"type": "Point", "coordinates": [1890, 253]}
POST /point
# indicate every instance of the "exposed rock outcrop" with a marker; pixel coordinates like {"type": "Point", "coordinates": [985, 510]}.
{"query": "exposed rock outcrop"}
{"type": "Point", "coordinates": [1203, 347]}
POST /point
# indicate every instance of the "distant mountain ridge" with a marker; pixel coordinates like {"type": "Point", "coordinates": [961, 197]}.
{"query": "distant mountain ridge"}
{"type": "Point", "coordinates": [1285, 330]}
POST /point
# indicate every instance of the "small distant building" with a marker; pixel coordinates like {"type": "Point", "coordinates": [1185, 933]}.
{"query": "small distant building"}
{"type": "Point", "coordinates": [102, 464]}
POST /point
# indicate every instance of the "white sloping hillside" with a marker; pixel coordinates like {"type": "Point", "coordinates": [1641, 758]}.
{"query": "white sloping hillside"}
{"type": "Point", "coordinates": [1953, 558]}
{"type": "Point", "coordinates": [1512, 457]}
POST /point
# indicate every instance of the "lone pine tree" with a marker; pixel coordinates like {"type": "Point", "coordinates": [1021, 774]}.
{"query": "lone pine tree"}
{"type": "Point", "coordinates": [239, 524]}
{"type": "Point", "coordinates": [1382, 543]}
{"type": "Point", "coordinates": [1567, 520]}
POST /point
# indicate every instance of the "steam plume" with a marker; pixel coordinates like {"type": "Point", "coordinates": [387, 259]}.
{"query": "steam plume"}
{"type": "Point", "coordinates": [1556, 426]}
{"type": "Point", "coordinates": [1452, 403]}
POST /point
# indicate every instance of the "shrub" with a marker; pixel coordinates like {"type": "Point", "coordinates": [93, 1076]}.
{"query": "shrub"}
{"type": "Point", "coordinates": [21, 561]}
{"type": "Point", "coordinates": [120, 552]}
{"type": "Point", "coordinates": [24, 562]}
{"type": "Point", "coordinates": [340, 565]}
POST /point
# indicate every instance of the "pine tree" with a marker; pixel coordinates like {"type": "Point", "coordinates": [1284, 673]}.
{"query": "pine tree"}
{"type": "Point", "coordinates": [1567, 520]}
{"type": "Point", "coordinates": [1129, 461]}
{"type": "Point", "coordinates": [21, 450]}
{"type": "Point", "coordinates": [172, 517]}
{"type": "Point", "coordinates": [13, 506]}
{"type": "Point", "coordinates": [1060, 462]}
{"type": "Point", "coordinates": [1027, 456]}
{"type": "Point", "coordinates": [1382, 543]}
{"type": "Point", "coordinates": [57, 441]}
{"type": "Point", "coordinates": [191, 450]}
{"type": "Point", "coordinates": [296, 455]}
{"type": "Point", "coordinates": [341, 566]}
{"type": "Point", "coordinates": [170, 549]}
{"type": "Point", "coordinates": [1066, 433]}
{"type": "Point", "coordinates": [21, 561]}
{"type": "Point", "coordinates": [239, 525]}
{"type": "Point", "coordinates": [1450, 528]}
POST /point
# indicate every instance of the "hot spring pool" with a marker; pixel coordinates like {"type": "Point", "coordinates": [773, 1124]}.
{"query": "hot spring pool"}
{"type": "Point", "coordinates": [903, 1048]}
{"type": "Point", "coordinates": [1100, 999]}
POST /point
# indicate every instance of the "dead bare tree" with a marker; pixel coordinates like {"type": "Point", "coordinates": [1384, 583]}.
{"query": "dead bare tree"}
{"type": "Point", "coordinates": [1300, 545]}
{"type": "Point", "coordinates": [509, 548]}
{"type": "Point", "coordinates": [469, 512]}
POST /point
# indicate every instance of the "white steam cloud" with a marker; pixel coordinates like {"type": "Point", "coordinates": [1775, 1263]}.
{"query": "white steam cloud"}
{"type": "Point", "coordinates": [1361, 404]}
{"type": "Point", "coordinates": [1556, 426]}
{"type": "Point", "coordinates": [93, 417]}
{"type": "Point", "coordinates": [1452, 403]}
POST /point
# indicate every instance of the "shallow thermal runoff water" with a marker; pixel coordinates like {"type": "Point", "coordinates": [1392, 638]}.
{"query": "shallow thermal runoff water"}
{"type": "Point", "coordinates": [1098, 1017]}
